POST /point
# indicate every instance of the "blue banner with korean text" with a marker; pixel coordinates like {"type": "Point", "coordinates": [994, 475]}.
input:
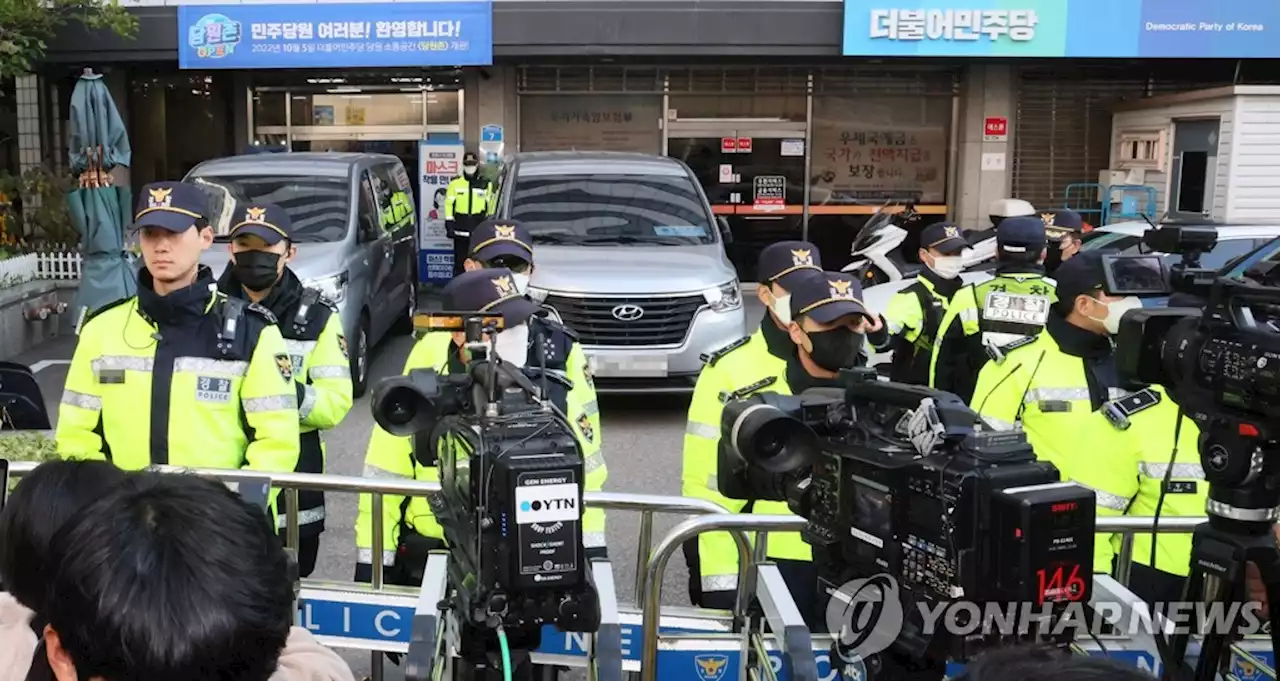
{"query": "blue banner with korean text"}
{"type": "Point", "coordinates": [337, 35]}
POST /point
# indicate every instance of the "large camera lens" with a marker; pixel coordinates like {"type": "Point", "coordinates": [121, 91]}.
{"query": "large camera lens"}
{"type": "Point", "coordinates": [767, 437]}
{"type": "Point", "coordinates": [405, 405]}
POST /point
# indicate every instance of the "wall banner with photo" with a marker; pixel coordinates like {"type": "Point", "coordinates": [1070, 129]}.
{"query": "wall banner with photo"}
{"type": "Point", "coordinates": [438, 164]}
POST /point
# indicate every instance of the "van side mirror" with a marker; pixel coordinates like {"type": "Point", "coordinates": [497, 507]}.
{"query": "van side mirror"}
{"type": "Point", "coordinates": [723, 223]}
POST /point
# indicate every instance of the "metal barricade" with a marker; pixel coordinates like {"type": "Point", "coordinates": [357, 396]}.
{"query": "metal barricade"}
{"type": "Point", "coordinates": [393, 606]}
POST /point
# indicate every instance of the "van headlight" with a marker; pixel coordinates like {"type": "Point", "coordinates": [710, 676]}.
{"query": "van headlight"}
{"type": "Point", "coordinates": [333, 288]}
{"type": "Point", "coordinates": [724, 297]}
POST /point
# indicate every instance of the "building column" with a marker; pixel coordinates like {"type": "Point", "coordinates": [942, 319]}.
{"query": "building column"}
{"type": "Point", "coordinates": [496, 105]}
{"type": "Point", "coordinates": [988, 91]}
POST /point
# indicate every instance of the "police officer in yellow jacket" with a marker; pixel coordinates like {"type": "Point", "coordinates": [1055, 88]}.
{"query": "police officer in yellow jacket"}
{"type": "Point", "coordinates": [467, 201]}
{"type": "Point", "coordinates": [261, 247]}
{"type": "Point", "coordinates": [986, 320]}
{"type": "Point", "coordinates": [915, 313]}
{"type": "Point", "coordinates": [180, 374]}
{"type": "Point", "coordinates": [1064, 391]}
{"type": "Point", "coordinates": [826, 320]}
{"type": "Point", "coordinates": [527, 335]}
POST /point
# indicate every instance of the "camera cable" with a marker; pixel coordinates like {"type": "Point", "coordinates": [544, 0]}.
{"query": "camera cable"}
{"type": "Point", "coordinates": [506, 653]}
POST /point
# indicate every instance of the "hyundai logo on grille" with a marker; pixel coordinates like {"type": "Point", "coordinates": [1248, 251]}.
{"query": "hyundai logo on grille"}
{"type": "Point", "coordinates": [628, 312]}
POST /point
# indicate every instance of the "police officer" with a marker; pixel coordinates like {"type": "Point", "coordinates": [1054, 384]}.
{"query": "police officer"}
{"type": "Point", "coordinates": [1065, 231]}
{"type": "Point", "coordinates": [396, 204]}
{"type": "Point", "coordinates": [502, 244]}
{"type": "Point", "coordinates": [467, 201]}
{"type": "Point", "coordinates": [410, 521]}
{"type": "Point", "coordinates": [180, 374]}
{"type": "Point", "coordinates": [712, 582]}
{"type": "Point", "coordinates": [1064, 390]}
{"type": "Point", "coordinates": [915, 313]}
{"type": "Point", "coordinates": [825, 325]}
{"type": "Point", "coordinates": [986, 320]}
{"type": "Point", "coordinates": [1003, 209]}
{"type": "Point", "coordinates": [260, 250]}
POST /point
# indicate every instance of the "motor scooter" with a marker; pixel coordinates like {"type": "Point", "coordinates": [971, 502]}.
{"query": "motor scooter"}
{"type": "Point", "coordinates": [879, 256]}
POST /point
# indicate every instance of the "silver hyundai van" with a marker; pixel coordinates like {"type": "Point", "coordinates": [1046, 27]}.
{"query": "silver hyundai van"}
{"type": "Point", "coordinates": [347, 248]}
{"type": "Point", "coordinates": [629, 255]}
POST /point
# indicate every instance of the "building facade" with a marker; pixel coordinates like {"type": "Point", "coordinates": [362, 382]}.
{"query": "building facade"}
{"type": "Point", "coordinates": [844, 105]}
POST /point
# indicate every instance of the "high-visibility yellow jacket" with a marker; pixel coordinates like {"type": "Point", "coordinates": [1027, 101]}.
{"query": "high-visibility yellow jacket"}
{"type": "Point", "coordinates": [967, 328]}
{"type": "Point", "coordinates": [171, 381]}
{"type": "Point", "coordinates": [313, 336]}
{"type": "Point", "coordinates": [913, 320]}
{"type": "Point", "coordinates": [391, 457]}
{"type": "Point", "coordinates": [1047, 391]}
{"type": "Point", "coordinates": [399, 209]}
{"type": "Point", "coordinates": [740, 369]}
{"type": "Point", "coordinates": [466, 203]}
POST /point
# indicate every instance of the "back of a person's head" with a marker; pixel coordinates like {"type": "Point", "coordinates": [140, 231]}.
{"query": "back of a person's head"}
{"type": "Point", "coordinates": [170, 577]}
{"type": "Point", "coordinates": [45, 499]}
{"type": "Point", "coordinates": [1047, 664]}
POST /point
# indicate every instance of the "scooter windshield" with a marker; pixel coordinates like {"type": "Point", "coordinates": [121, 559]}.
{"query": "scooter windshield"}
{"type": "Point", "coordinates": [872, 232]}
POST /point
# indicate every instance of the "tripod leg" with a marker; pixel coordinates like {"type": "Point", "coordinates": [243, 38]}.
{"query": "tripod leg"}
{"type": "Point", "coordinates": [1193, 592]}
{"type": "Point", "coordinates": [1214, 644]}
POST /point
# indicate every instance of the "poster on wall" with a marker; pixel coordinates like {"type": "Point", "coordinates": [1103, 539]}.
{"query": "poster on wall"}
{"type": "Point", "coordinates": [591, 123]}
{"type": "Point", "coordinates": [854, 163]}
{"type": "Point", "coordinates": [335, 35]}
{"type": "Point", "coordinates": [438, 164]}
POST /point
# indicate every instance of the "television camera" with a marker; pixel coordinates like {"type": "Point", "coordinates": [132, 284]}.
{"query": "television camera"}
{"type": "Point", "coordinates": [902, 480]}
{"type": "Point", "coordinates": [511, 500]}
{"type": "Point", "coordinates": [1217, 354]}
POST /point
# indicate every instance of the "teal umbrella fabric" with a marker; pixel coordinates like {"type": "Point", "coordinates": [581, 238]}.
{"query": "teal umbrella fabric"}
{"type": "Point", "coordinates": [100, 212]}
{"type": "Point", "coordinates": [96, 125]}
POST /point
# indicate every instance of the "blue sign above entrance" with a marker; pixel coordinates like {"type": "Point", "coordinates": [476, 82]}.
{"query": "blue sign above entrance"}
{"type": "Point", "coordinates": [327, 35]}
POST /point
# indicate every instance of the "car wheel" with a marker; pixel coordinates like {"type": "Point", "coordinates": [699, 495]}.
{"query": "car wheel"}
{"type": "Point", "coordinates": [360, 359]}
{"type": "Point", "coordinates": [404, 323]}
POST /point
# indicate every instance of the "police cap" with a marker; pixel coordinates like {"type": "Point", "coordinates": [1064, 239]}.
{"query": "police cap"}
{"type": "Point", "coordinates": [470, 159]}
{"type": "Point", "coordinates": [781, 260]}
{"type": "Point", "coordinates": [826, 296]}
{"type": "Point", "coordinates": [1023, 234]}
{"type": "Point", "coordinates": [489, 290]}
{"type": "Point", "coordinates": [493, 239]}
{"type": "Point", "coordinates": [1059, 223]}
{"type": "Point", "coordinates": [944, 237]}
{"type": "Point", "coordinates": [264, 220]}
{"type": "Point", "coordinates": [1080, 275]}
{"type": "Point", "coordinates": [175, 206]}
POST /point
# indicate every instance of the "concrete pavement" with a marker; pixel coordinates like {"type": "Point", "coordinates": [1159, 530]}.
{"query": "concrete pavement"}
{"type": "Point", "coordinates": [642, 441]}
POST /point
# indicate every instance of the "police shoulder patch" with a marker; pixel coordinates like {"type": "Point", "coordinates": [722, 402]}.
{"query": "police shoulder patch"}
{"type": "Point", "coordinates": [284, 364]}
{"type": "Point", "coordinates": [88, 316]}
{"type": "Point", "coordinates": [710, 358]}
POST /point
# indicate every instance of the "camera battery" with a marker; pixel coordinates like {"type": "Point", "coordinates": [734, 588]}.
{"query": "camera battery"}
{"type": "Point", "coordinates": [542, 544]}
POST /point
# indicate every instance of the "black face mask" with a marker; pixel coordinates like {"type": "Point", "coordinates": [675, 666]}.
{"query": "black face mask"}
{"type": "Point", "coordinates": [1053, 259]}
{"type": "Point", "coordinates": [256, 270]}
{"type": "Point", "coordinates": [835, 349]}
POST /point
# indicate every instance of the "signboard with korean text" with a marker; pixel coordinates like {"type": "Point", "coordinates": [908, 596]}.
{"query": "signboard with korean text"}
{"type": "Point", "coordinates": [769, 191]}
{"type": "Point", "coordinates": [438, 164]}
{"type": "Point", "coordinates": [995, 129]}
{"type": "Point", "coordinates": [591, 123]}
{"type": "Point", "coordinates": [327, 35]}
{"type": "Point", "coordinates": [1235, 29]}
{"type": "Point", "coordinates": [899, 162]}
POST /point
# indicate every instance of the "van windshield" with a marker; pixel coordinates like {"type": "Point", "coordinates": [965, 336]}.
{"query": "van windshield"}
{"type": "Point", "coordinates": [604, 210]}
{"type": "Point", "coordinates": [317, 206]}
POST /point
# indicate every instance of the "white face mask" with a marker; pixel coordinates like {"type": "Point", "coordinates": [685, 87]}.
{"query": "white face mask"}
{"type": "Point", "coordinates": [468, 170]}
{"type": "Point", "coordinates": [513, 345]}
{"type": "Point", "coordinates": [521, 281]}
{"type": "Point", "coordinates": [948, 266]}
{"type": "Point", "coordinates": [781, 307]}
{"type": "Point", "coordinates": [1116, 310]}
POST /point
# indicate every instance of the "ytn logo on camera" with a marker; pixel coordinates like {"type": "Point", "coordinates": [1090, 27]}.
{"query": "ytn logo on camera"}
{"type": "Point", "coordinates": [541, 504]}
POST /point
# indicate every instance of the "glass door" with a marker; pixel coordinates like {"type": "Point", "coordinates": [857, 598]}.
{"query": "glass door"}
{"type": "Point", "coordinates": [754, 177]}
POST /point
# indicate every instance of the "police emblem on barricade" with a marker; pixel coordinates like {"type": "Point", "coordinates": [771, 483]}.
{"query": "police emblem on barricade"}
{"type": "Point", "coordinates": [255, 214]}
{"type": "Point", "coordinates": [160, 197]}
{"type": "Point", "coordinates": [802, 258]}
{"type": "Point", "coordinates": [503, 286]}
{"type": "Point", "coordinates": [711, 667]}
{"type": "Point", "coordinates": [342, 345]}
{"type": "Point", "coordinates": [587, 431]}
{"type": "Point", "coordinates": [284, 364]}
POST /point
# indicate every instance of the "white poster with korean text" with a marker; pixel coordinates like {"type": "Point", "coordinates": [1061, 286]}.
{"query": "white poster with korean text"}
{"type": "Point", "coordinates": [438, 164]}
